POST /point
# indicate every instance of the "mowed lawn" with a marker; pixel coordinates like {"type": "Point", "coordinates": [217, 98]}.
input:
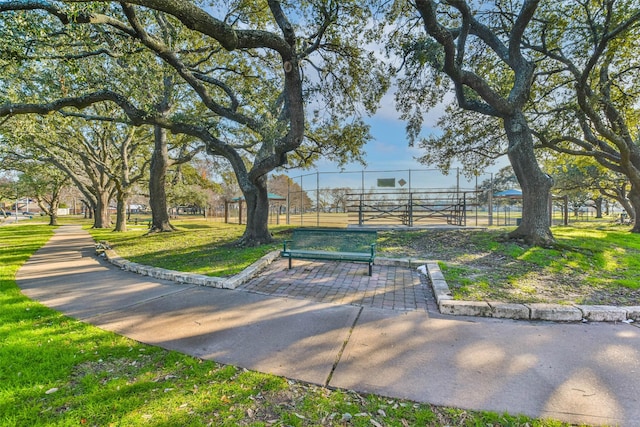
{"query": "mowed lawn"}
{"type": "Point", "coordinates": [55, 371]}
{"type": "Point", "coordinates": [592, 263]}
{"type": "Point", "coordinates": [197, 246]}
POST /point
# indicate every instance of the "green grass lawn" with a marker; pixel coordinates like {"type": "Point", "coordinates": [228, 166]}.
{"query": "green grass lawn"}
{"type": "Point", "coordinates": [198, 246]}
{"type": "Point", "coordinates": [592, 263]}
{"type": "Point", "coordinates": [55, 371]}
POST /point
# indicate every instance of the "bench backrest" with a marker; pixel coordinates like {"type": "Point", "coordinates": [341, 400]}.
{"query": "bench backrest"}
{"type": "Point", "coordinates": [333, 239]}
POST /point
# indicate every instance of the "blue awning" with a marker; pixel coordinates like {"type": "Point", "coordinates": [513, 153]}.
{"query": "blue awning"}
{"type": "Point", "coordinates": [511, 193]}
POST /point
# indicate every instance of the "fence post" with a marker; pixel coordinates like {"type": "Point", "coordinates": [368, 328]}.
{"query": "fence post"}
{"type": "Point", "coordinates": [464, 209]}
{"type": "Point", "coordinates": [288, 203]}
{"type": "Point", "coordinates": [317, 198]}
{"type": "Point", "coordinates": [410, 209]}
{"type": "Point", "coordinates": [477, 202]}
{"type": "Point", "coordinates": [360, 213]}
{"type": "Point", "coordinates": [490, 198]}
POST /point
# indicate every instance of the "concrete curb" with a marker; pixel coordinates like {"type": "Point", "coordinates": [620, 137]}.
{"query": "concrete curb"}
{"type": "Point", "coordinates": [533, 311]}
{"type": "Point", "coordinates": [431, 269]}
{"type": "Point", "coordinates": [191, 278]}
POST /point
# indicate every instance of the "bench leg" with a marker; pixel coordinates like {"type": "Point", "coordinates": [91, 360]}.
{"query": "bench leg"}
{"type": "Point", "coordinates": [370, 268]}
{"type": "Point", "coordinates": [289, 263]}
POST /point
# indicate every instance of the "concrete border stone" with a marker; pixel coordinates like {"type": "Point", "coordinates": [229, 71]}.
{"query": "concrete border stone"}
{"type": "Point", "coordinates": [401, 262]}
{"type": "Point", "coordinates": [465, 308]}
{"type": "Point", "coordinates": [603, 313]}
{"type": "Point", "coordinates": [191, 278]}
{"type": "Point", "coordinates": [633, 313]}
{"type": "Point", "coordinates": [393, 262]}
{"type": "Point", "coordinates": [554, 312]}
{"type": "Point", "coordinates": [505, 310]}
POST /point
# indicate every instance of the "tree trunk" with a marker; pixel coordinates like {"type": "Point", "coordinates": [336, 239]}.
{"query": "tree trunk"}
{"type": "Point", "coordinates": [49, 206]}
{"type": "Point", "coordinates": [632, 171]}
{"type": "Point", "coordinates": [53, 213]}
{"type": "Point", "coordinates": [597, 203]}
{"type": "Point", "coordinates": [257, 199]}
{"type": "Point", "coordinates": [157, 191]}
{"type": "Point", "coordinates": [576, 210]}
{"type": "Point", "coordinates": [634, 201]}
{"type": "Point", "coordinates": [88, 210]}
{"type": "Point", "coordinates": [102, 219]}
{"type": "Point", "coordinates": [628, 208]}
{"type": "Point", "coordinates": [535, 184]}
{"type": "Point", "coordinates": [121, 212]}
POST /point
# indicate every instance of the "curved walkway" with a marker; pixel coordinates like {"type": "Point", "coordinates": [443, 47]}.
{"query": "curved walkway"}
{"type": "Point", "coordinates": [575, 372]}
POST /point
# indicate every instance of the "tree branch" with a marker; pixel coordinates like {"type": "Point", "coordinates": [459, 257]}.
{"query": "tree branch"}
{"type": "Point", "coordinates": [199, 20]}
{"type": "Point", "coordinates": [164, 52]}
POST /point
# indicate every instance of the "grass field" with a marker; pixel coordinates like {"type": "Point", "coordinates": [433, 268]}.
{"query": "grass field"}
{"type": "Point", "coordinates": [198, 246]}
{"type": "Point", "coordinates": [55, 371]}
{"type": "Point", "coordinates": [592, 263]}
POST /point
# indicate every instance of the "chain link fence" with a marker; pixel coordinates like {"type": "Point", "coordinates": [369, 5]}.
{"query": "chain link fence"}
{"type": "Point", "coordinates": [396, 198]}
{"type": "Point", "coordinates": [410, 198]}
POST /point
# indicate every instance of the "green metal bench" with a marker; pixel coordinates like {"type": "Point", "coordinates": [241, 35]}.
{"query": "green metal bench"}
{"type": "Point", "coordinates": [332, 244]}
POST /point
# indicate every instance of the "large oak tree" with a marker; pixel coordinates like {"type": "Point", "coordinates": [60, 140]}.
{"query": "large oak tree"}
{"type": "Point", "coordinates": [483, 58]}
{"type": "Point", "coordinates": [255, 73]}
{"type": "Point", "coordinates": [588, 104]}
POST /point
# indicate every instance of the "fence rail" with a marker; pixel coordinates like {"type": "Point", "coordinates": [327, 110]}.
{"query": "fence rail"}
{"type": "Point", "coordinates": [408, 209]}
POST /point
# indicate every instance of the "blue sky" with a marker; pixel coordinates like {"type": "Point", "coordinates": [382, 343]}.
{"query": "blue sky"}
{"type": "Point", "coordinates": [389, 148]}
{"type": "Point", "coordinates": [388, 151]}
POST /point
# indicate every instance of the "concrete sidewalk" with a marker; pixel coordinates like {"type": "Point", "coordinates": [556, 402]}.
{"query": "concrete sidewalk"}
{"type": "Point", "coordinates": [580, 373]}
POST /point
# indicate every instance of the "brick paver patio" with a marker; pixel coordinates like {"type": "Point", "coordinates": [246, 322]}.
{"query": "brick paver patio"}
{"type": "Point", "coordinates": [389, 287]}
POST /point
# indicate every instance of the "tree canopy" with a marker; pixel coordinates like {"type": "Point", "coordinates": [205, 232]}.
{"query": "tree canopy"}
{"type": "Point", "coordinates": [261, 85]}
{"type": "Point", "coordinates": [578, 59]}
{"type": "Point", "coordinates": [270, 84]}
{"type": "Point", "coordinates": [587, 100]}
